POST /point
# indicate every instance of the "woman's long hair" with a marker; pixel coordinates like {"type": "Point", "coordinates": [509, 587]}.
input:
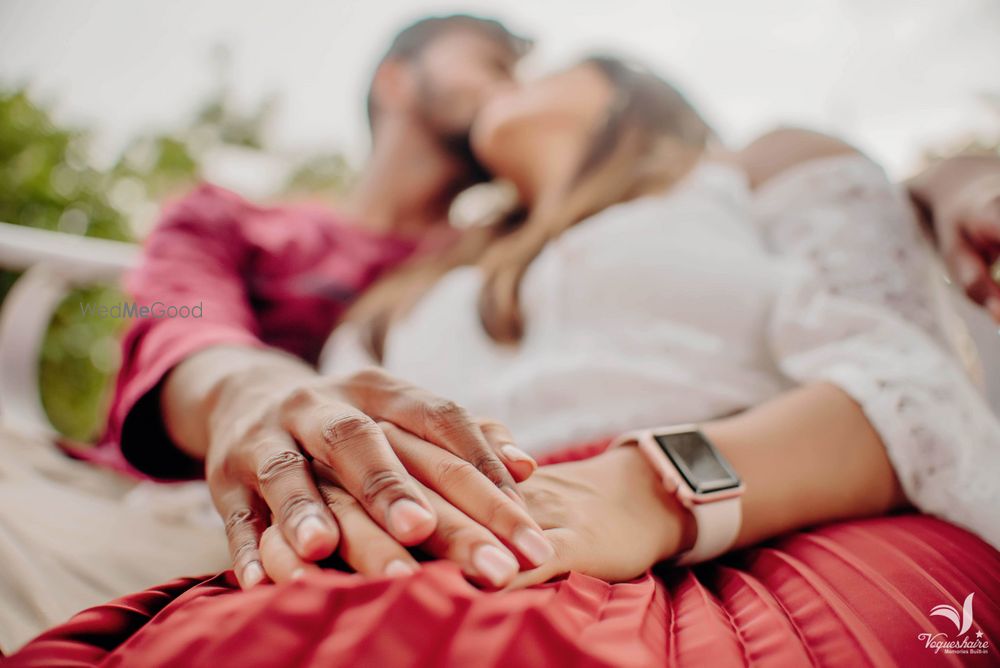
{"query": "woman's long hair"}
{"type": "Point", "coordinates": [651, 138]}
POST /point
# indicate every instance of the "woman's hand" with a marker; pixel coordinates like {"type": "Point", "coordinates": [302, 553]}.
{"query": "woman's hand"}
{"type": "Point", "coordinates": [607, 516]}
{"type": "Point", "coordinates": [264, 423]}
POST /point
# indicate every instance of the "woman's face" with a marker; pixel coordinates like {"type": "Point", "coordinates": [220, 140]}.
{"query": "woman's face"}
{"type": "Point", "coordinates": [536, 134]}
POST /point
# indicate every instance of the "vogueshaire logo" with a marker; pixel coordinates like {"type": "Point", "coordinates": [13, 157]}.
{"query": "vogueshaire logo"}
{"type": "Point", "coordinates": [962, 642]}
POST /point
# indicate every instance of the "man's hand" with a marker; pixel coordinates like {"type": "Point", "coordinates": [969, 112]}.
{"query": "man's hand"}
{"type": "Point", "coordinates": [607, 516]}
{"type": "Point", "coordinates": [259, 427]}
{"type": "Point", "coordinates": [968, 230]}
{"type": "Point", "coordinates": [482, 540]}
{"type": "Point", "coordinates": [961, 196]}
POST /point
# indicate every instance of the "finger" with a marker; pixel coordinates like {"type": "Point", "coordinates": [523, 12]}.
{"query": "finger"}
{"type": "Point", "coordinates": [520, 464]}
{"type": "Point", "coordinates": [992, 302]}
{"type": "Point", "coordinates": [462, 486]}
{"type": "Point", "coordinates": [551, 569]}
{"type": "Point", "coordinates": [279, 559]}
{"type": "Point", "coordinates": [364, 545]}
{"type": "Point", "coordinates": [244, 525]}
{"type": "Point", "coordinates": [285, 481]}
{"type": "Point", "coordinates": [479, 554]}
{"type": "Point", "coordinates": [430, 417]}
{"type": "Point", "coordinates": [973, 274]}
{"type": "Point", "coordinates": [350, 443]}
{"type": "Point", "coordinates": [535, 576]}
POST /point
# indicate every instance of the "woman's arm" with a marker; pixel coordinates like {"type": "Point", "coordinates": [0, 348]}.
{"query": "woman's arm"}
{"type": "Point", "coordinates": [807, 457]}
{"type": "Point", "coordinates": [884, 414]}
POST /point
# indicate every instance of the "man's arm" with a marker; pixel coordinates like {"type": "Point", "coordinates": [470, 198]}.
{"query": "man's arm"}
{"type": "Point", "coordinates": [195, 257]}
{"type": "Point", "coordinates": [959, 199]}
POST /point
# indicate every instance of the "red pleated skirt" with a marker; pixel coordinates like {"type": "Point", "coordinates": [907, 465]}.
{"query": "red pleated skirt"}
{"type": "Point", "coordinates": [855, 593]}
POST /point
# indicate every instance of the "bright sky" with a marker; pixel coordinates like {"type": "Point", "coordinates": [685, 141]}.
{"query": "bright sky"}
{"type": "Point", "coordinates": [894, 76]}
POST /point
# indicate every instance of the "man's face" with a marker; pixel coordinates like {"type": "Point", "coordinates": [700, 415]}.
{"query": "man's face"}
{"type": "Point", "coordinates": [455, 75]}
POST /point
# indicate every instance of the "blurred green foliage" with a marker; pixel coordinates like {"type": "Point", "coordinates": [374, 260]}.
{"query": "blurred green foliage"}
{"type": "Point", "coordinates": [48, 181]}
{"type": "Point", "coordinates": [45, 179]}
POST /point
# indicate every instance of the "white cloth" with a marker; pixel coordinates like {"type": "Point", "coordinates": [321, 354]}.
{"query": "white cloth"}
{"type": "Point", "coordinates": [710, 299]}
{"type": "Point", "coordinates": [73, 535]}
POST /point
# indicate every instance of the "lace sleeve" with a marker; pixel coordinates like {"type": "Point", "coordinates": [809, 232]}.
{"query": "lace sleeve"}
{"type": "Point", "coordinates": [857, 310]}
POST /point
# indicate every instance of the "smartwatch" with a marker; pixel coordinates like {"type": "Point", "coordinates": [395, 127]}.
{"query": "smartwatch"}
{"type": "Point", "coordinates": [693, 470]}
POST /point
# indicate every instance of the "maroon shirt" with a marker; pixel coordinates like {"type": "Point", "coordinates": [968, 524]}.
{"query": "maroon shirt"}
{"type": "Point", "coordinates": [262, 276]}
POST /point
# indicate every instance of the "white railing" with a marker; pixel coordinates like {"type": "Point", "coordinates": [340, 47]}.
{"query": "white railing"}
{"type": "Point", "coordinates": [53, 263]}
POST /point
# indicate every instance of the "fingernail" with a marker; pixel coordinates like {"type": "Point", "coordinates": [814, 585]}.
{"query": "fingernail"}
{"type": "Point", "coordinates": [516, 454]}
{"type": "Point", "coordinates": [406, 516]}
{"type": "Point", "coordinates": [252, 574]}
{"type": "Point", "coordinates": [398, 568]}
{"type": "Point", "coordinates": [298, 574]}
{"type": "Point", "coordinates": [494, 564]}
{"type": "Point", "coordinates": [533, 545]}
{"type": "Point", "coordinates": [309, 529]}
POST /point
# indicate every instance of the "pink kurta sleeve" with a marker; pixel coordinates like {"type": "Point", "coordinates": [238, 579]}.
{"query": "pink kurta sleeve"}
{"type": "Point", "coordinates": [198, 258]}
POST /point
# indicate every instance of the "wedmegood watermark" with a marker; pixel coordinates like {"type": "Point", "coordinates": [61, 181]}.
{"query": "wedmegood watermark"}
{"type": "Point", "coordinates": [155, 311]}
{"type": "Point", "coordinates": [960, 643]}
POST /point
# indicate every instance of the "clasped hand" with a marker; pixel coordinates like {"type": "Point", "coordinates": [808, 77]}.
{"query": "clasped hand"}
{"type": "Point", "coordinates": [369, 466]}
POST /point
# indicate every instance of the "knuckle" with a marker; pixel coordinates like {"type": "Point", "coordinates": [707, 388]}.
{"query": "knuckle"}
{"type": "Point", "coordinates": [278, 465]}
{"type": "Point", "coordinates": [216, 473]}
{"type": "Point", "coordinates": [495, 510]}
{"type": "Point", "coordinates": [452, 471]}
{"type": "Point", "coordinates": [346, 430]}
{"type": "Point", "coordinates": [242, 537]}
{"type": "Point", "coordinates": [336, 500]}
{"type": "Point", "coordinates": [491, 467]}
{"type": "Point", "coordinates": [297, 398]}
{"type": "Point", "coordinates": [239, 521]}
{"type": "Point", "coordinates": [293, 505]}
{"type": "Point", "coordinates": [382, 483]}
{"type": "Point", "coordinates": [445, 415]}
{"type": "Point", "coordinates": [459, 535]}
{"type": "Point", "coordinates": [368, 376]}
{"type": "Point", "coordinates": [494, 429]}
{"type": "Point", "coordinates": [244, 551]}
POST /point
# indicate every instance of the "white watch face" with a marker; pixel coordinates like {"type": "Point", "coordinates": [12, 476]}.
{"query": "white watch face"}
{"type": "Point", "coordinates": [704, 469]}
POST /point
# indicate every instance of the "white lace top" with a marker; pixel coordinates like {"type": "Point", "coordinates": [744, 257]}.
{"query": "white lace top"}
{"type": "Point", "coordinates": [710, 299]}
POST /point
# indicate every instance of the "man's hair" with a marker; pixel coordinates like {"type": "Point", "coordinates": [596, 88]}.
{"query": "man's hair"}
{"type": "Point", "coordinates": [414, 38]}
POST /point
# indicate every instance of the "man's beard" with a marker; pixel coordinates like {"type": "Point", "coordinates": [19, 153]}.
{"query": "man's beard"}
{"type": "Point", "coordinates": [455, 142]}
{"type": "Point", "coordinates": [460, 147]}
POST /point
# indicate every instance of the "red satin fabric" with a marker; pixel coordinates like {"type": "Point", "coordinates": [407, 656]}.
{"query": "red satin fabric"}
{"type": "Point", "coordinates": [854, 593]}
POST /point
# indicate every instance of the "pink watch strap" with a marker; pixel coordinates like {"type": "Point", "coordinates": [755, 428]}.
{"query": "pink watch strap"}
{"type": "Point", "coordinates": [717, 520]}
{"type": "Point", "coordinates": [718, 526]}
